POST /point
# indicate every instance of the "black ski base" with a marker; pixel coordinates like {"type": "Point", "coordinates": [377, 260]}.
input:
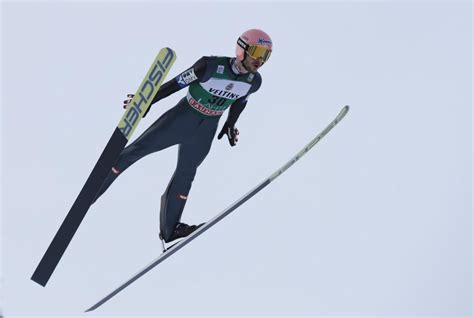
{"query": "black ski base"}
{"type": "Point", "coordinates": [76, 214]}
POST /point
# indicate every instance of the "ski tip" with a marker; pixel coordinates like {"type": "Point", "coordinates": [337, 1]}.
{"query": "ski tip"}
{"type": "Point", "coordinates": [169, 50]}
{"type": "Point", "coordinates": [343, 112]}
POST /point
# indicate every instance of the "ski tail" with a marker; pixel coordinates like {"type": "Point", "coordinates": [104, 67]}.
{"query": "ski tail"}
{"type": "Point", "coordinates": [71, 223]}
{"type": "Point", "coordinates": [226, 212]}
{"type": "Point", "coordinates": [127, 124]}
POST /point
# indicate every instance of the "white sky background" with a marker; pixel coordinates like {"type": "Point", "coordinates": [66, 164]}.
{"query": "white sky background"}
{"type": "Point", "coordinates": [376, 220]}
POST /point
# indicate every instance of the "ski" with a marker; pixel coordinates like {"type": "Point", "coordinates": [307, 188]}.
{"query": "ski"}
{"type": "Point", "coordinates": [122, 133]}
{"type": "Point", "coordinates": [224, 213]}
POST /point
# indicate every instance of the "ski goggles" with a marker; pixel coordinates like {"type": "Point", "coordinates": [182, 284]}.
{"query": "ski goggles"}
{"type": "Point", "coordinates": [255, 51]}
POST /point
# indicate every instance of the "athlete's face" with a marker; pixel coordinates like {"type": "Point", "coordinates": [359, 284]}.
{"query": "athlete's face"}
{"type": "Point", "coordinates": [251, 64]}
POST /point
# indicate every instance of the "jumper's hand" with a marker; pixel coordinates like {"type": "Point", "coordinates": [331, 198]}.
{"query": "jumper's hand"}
{"type": "Point", "coordinates": [231, 132]}
{"type": "Point", "coordinates": [127, 101]}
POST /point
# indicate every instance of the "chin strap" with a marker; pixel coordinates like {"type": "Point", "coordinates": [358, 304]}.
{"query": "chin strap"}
{"type": "Point", "coordinates": [237, 67]}
{"type": "Point", "coordinates": [245, 56]}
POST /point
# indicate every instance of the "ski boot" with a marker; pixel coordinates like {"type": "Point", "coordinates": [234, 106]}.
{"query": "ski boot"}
{"type": "Point", "coordinates": [181, 230]}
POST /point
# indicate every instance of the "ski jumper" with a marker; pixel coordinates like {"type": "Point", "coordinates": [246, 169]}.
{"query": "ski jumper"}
{"type": "Point", "coordinates": [214, 84]}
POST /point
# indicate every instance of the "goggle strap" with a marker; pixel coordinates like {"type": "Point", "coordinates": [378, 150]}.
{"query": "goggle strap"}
{"type": "Point", "coordinates": [242, 44]}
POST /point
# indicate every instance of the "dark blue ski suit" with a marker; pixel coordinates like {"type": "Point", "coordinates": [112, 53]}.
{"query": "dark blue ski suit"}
{"type": "Point", "coordinates": [214, 85]}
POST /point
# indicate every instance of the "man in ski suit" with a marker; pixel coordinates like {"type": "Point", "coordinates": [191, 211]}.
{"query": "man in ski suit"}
{"type": "Point", "coordinates": [214, 84]}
